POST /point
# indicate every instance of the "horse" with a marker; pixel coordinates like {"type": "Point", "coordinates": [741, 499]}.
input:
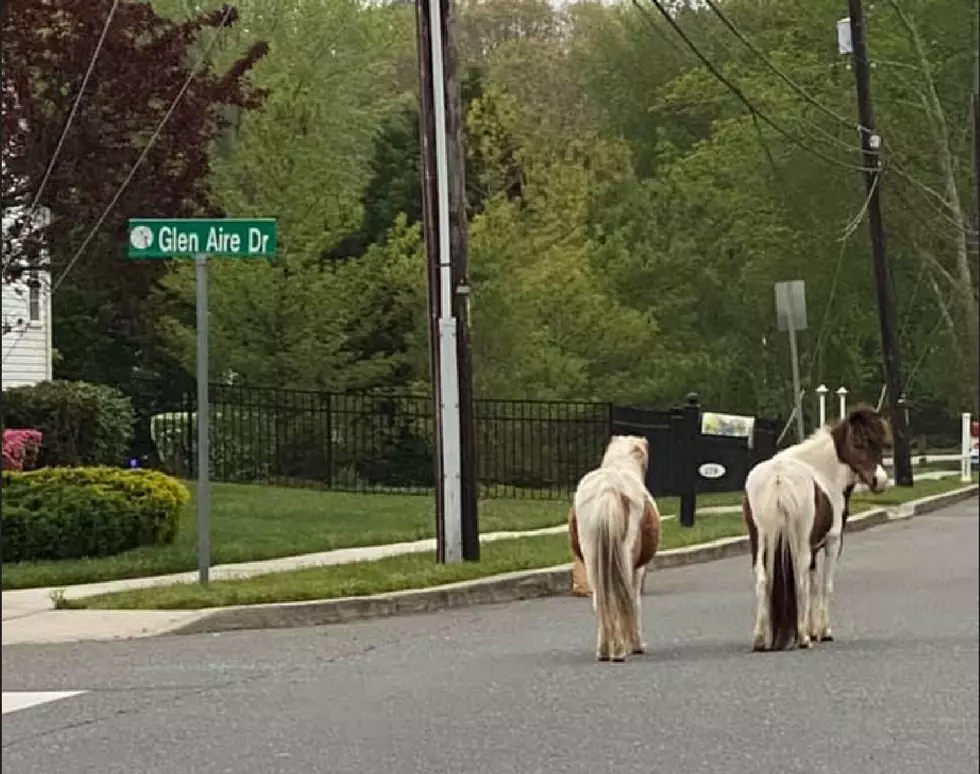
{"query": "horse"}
{"type": "Point", "coordinates": [795, 502]}
{"type": "Point", "coordinates": [614, 529]}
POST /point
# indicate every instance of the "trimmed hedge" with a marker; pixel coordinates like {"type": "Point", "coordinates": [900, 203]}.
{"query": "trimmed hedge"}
{"type": "Point", "coordinates": [82, 423]}
{"type": "Point", "coordinates": [70, 513]}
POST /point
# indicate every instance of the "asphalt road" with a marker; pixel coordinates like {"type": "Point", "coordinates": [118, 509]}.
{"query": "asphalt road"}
{"type": "Point", "coordinates": [514, 689]}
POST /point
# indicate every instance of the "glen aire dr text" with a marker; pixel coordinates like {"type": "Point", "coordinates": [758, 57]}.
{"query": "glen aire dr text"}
{"type": "Point", "coordinates": [173, 240]}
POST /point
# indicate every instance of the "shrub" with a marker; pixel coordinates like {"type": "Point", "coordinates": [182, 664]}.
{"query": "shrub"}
{"type": "Point", "coordinates": [69, 513]}
{"type": "Point", "coordinates": [82, 423]}
{"type": "Point", "coordinates": [20, 449]}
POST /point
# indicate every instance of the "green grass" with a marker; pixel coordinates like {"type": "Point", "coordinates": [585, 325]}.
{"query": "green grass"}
{"type": "Point", "coordinates": [408, 571]}
{"type": "Point", "coordinates": [254, 522]}
{"type": "Point", "coordinates": [420, 571]}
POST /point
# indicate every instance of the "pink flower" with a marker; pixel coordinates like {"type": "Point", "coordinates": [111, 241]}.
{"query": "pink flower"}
{"type": "Point", "coordinates": [20, 448]}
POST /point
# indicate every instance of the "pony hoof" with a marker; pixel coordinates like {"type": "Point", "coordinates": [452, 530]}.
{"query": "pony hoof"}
{"type": "Point", "coordinates": [640, 649]}
{"type": "Point", "coordinates": [619, 658]}
{"type": "Point", "coordinates": [827, 637]}
{"type": "Point", "coordinates": [805, 644]}
{"type": "Point", "coordinates": [759, 645]}
{"type": "Point", "coordinates": [601, 656]}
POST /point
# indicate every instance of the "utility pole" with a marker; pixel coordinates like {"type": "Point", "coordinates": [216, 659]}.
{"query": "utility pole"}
{"type": "Point", "coordinates": [427, 178]}
{"type": "Point", "coordinates": [887, 318]}
{"type": "Point", "coordinates": [470, 533]}
{"type": "Point", "coordinates": [976, 138]}
{"type": "Point", "coordinates": [444, 229]}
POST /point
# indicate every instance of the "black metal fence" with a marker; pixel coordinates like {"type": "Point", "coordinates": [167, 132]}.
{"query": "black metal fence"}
{"type": "Point", "coordinates": [377, 442]}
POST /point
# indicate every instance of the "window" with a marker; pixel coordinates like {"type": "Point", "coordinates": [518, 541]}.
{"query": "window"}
{"type": "Point", "coordinates": [34, 300]}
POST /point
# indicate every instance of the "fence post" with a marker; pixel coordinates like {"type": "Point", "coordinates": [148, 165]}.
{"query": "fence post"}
{"type": "Point", "coordinates": [966, 447]}
{"type": "Point", "coordinates": [328, 431]}
{"type": "Point", "coordinates": [822, 403]}
{"type": "Point", "coordinates": [842, 401]}
{"type": "Point", "coordinates": [189, 437]}
{"type": "Point", "coordinates": [688, 429]}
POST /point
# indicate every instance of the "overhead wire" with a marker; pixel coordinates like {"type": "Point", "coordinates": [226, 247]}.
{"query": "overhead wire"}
{"type": "Point", "coordinates": [146, 150]}
{"type": "Point", "coordinates": [740, 95]}
{"type": "Point", "coordinates": [755, 49]}
{"type": "Point", "coordinates": [74, 108]}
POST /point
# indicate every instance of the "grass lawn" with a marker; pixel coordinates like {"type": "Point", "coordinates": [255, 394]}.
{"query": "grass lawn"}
{"type": "Point", "coordinates": [253, 522]}
{"type": "Point", "coordinates": [392, 574]}
{"type": "Point", "coordinates": [420, 571]}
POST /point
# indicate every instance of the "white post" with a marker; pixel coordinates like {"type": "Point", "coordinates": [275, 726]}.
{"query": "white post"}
{"type": "Point", "coordinates": [449, 376]}
{"type": "Point", "coordinates": [822, 403]}
{"type": "Point", "coordinates": [966, 449]}
{"type": "Point", "coordinates": [842, 401]}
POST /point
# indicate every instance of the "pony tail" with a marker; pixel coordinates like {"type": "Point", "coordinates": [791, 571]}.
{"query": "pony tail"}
{"type": "Point", "coordinates": [783, 604]}
{"type": "Point", "coordinates": [613, 577]}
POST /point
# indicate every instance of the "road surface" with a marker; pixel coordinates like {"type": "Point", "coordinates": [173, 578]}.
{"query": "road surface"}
{"type": "Point", "coordinates": [514, 690]}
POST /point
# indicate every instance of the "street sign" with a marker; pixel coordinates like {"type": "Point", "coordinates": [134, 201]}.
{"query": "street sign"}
{"type": "Point", "coordinates": [186, 238]}
{"type": "Point", "coordinates": [201, 238]}
{"type": "Point", "coordinates": [791, 305]}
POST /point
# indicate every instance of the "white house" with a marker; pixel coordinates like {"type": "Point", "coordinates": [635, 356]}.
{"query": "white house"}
{"type": "Point", "coordinates": [26, 325]}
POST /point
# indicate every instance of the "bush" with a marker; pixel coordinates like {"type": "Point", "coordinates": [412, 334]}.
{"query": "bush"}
{"type": "Point", "coordinates": [69, 513]}
{"type": "Point", "coordinates": [20, 449]}
{"type": "Point", "coordinates": [82, 423]}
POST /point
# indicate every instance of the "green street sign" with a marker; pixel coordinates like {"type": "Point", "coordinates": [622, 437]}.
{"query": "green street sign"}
{"type": "Point", "coordinates": [231, 237]}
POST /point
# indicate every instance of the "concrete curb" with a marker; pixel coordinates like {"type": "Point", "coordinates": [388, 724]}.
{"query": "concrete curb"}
{"type": "Point", "coordinates": [510, 587]}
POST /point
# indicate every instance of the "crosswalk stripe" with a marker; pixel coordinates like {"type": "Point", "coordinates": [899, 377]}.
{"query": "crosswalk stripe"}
{"type": "Point", "coordinates": [19, 700]}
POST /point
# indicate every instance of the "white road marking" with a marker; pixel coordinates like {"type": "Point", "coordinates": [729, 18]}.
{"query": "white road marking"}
{"type": "Point", "coordinates": [18, 700]}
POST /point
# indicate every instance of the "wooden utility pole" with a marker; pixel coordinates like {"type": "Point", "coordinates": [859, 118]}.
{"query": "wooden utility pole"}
{"type": "Point", "coordinates": [887, 318]}
{"type": "Point", "coordinates": [427, 178]}
{"type": "Point", "coordinates": [445, 232]}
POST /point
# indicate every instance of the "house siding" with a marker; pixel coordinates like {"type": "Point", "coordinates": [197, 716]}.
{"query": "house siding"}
{"type": "Point", "coordinates": [27, 347]}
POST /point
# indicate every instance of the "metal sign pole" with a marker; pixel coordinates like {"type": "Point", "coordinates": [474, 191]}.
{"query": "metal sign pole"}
{"type": "Point", "coordinates": [797, 397]}
{"type": "Point", "coordinates": [203, 414]}
{"type": "Point", "coordinates": [791, 317]}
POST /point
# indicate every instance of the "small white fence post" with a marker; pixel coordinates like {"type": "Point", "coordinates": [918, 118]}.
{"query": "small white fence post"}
{"type": "Point", "coordinates": [966, 448]}
{"type": "Point", "coordinates": [842, 401]}
{"type": "Point", "coordinates": [822, 403]}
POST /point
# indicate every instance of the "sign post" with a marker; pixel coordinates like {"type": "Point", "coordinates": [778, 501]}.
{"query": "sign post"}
{"type": "Point", "coordinates": [791, 317]}
{"type": "Point", "coordinates": [968, 446]}
{"type": "Point", "coordinates": [200, 238]}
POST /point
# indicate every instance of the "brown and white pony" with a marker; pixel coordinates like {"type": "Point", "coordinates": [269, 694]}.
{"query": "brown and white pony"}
{"type": "Point", "coordinates": [614, 528]}
{"type": "Point", "coordinates": [794, 507]}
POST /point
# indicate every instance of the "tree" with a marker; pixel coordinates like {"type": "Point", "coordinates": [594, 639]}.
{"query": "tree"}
{"type": "Point", "coordinates": [101, 325]}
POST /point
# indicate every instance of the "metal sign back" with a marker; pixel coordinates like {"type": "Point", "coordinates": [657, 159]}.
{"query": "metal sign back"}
{"type": "Point", "coordinates": [791, 305]}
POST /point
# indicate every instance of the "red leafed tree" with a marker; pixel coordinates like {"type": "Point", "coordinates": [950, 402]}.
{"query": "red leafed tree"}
{"type": "Point", "coordinates": [144, 63]}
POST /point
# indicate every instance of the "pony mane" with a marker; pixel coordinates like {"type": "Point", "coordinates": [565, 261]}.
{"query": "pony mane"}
{"type": "Point", "coordinates": [630, 451]}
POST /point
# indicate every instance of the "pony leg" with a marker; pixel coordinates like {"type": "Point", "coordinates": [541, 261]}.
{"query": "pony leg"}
{"type": "Point", "coordinates": [803, 609]}
{"type": "Point", "coordinates": [602, 645]}
{"type": "Point", "coordinates": [815, 599]}
{"type": "Point", "coordinates": [827, 588]}
{"type": "Point", "coordinates": [761, 605]}
{"type": "Point", "coordinates": [638, 645]}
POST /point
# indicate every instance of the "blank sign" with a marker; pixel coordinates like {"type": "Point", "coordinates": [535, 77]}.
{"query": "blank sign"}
{"type": "Point", "coordinates": [791, 305]}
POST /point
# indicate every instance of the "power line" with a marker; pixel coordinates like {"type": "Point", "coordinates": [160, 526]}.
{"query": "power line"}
{"type": "Point", "coordinates": [74, 107]}
{"type": "Point", "coordinates": [173, 106]}
{"type": "Point", "coordinates": [747, 42]}
{"type": "Point", "coordinates": [849, 230]}
{"type": "Point", "coordinates": [745, 100]}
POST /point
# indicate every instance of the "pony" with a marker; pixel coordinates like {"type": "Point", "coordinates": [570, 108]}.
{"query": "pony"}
{"type": "Point", "coordinates": [796, 502]}
{"type": "Point", "coordinates": [614, 529]}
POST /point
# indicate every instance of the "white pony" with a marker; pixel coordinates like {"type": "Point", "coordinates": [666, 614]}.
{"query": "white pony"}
{"type": "Point", "coordinates": [614, 528]}
{"type": "Point", "coordinates": [794, 506]}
